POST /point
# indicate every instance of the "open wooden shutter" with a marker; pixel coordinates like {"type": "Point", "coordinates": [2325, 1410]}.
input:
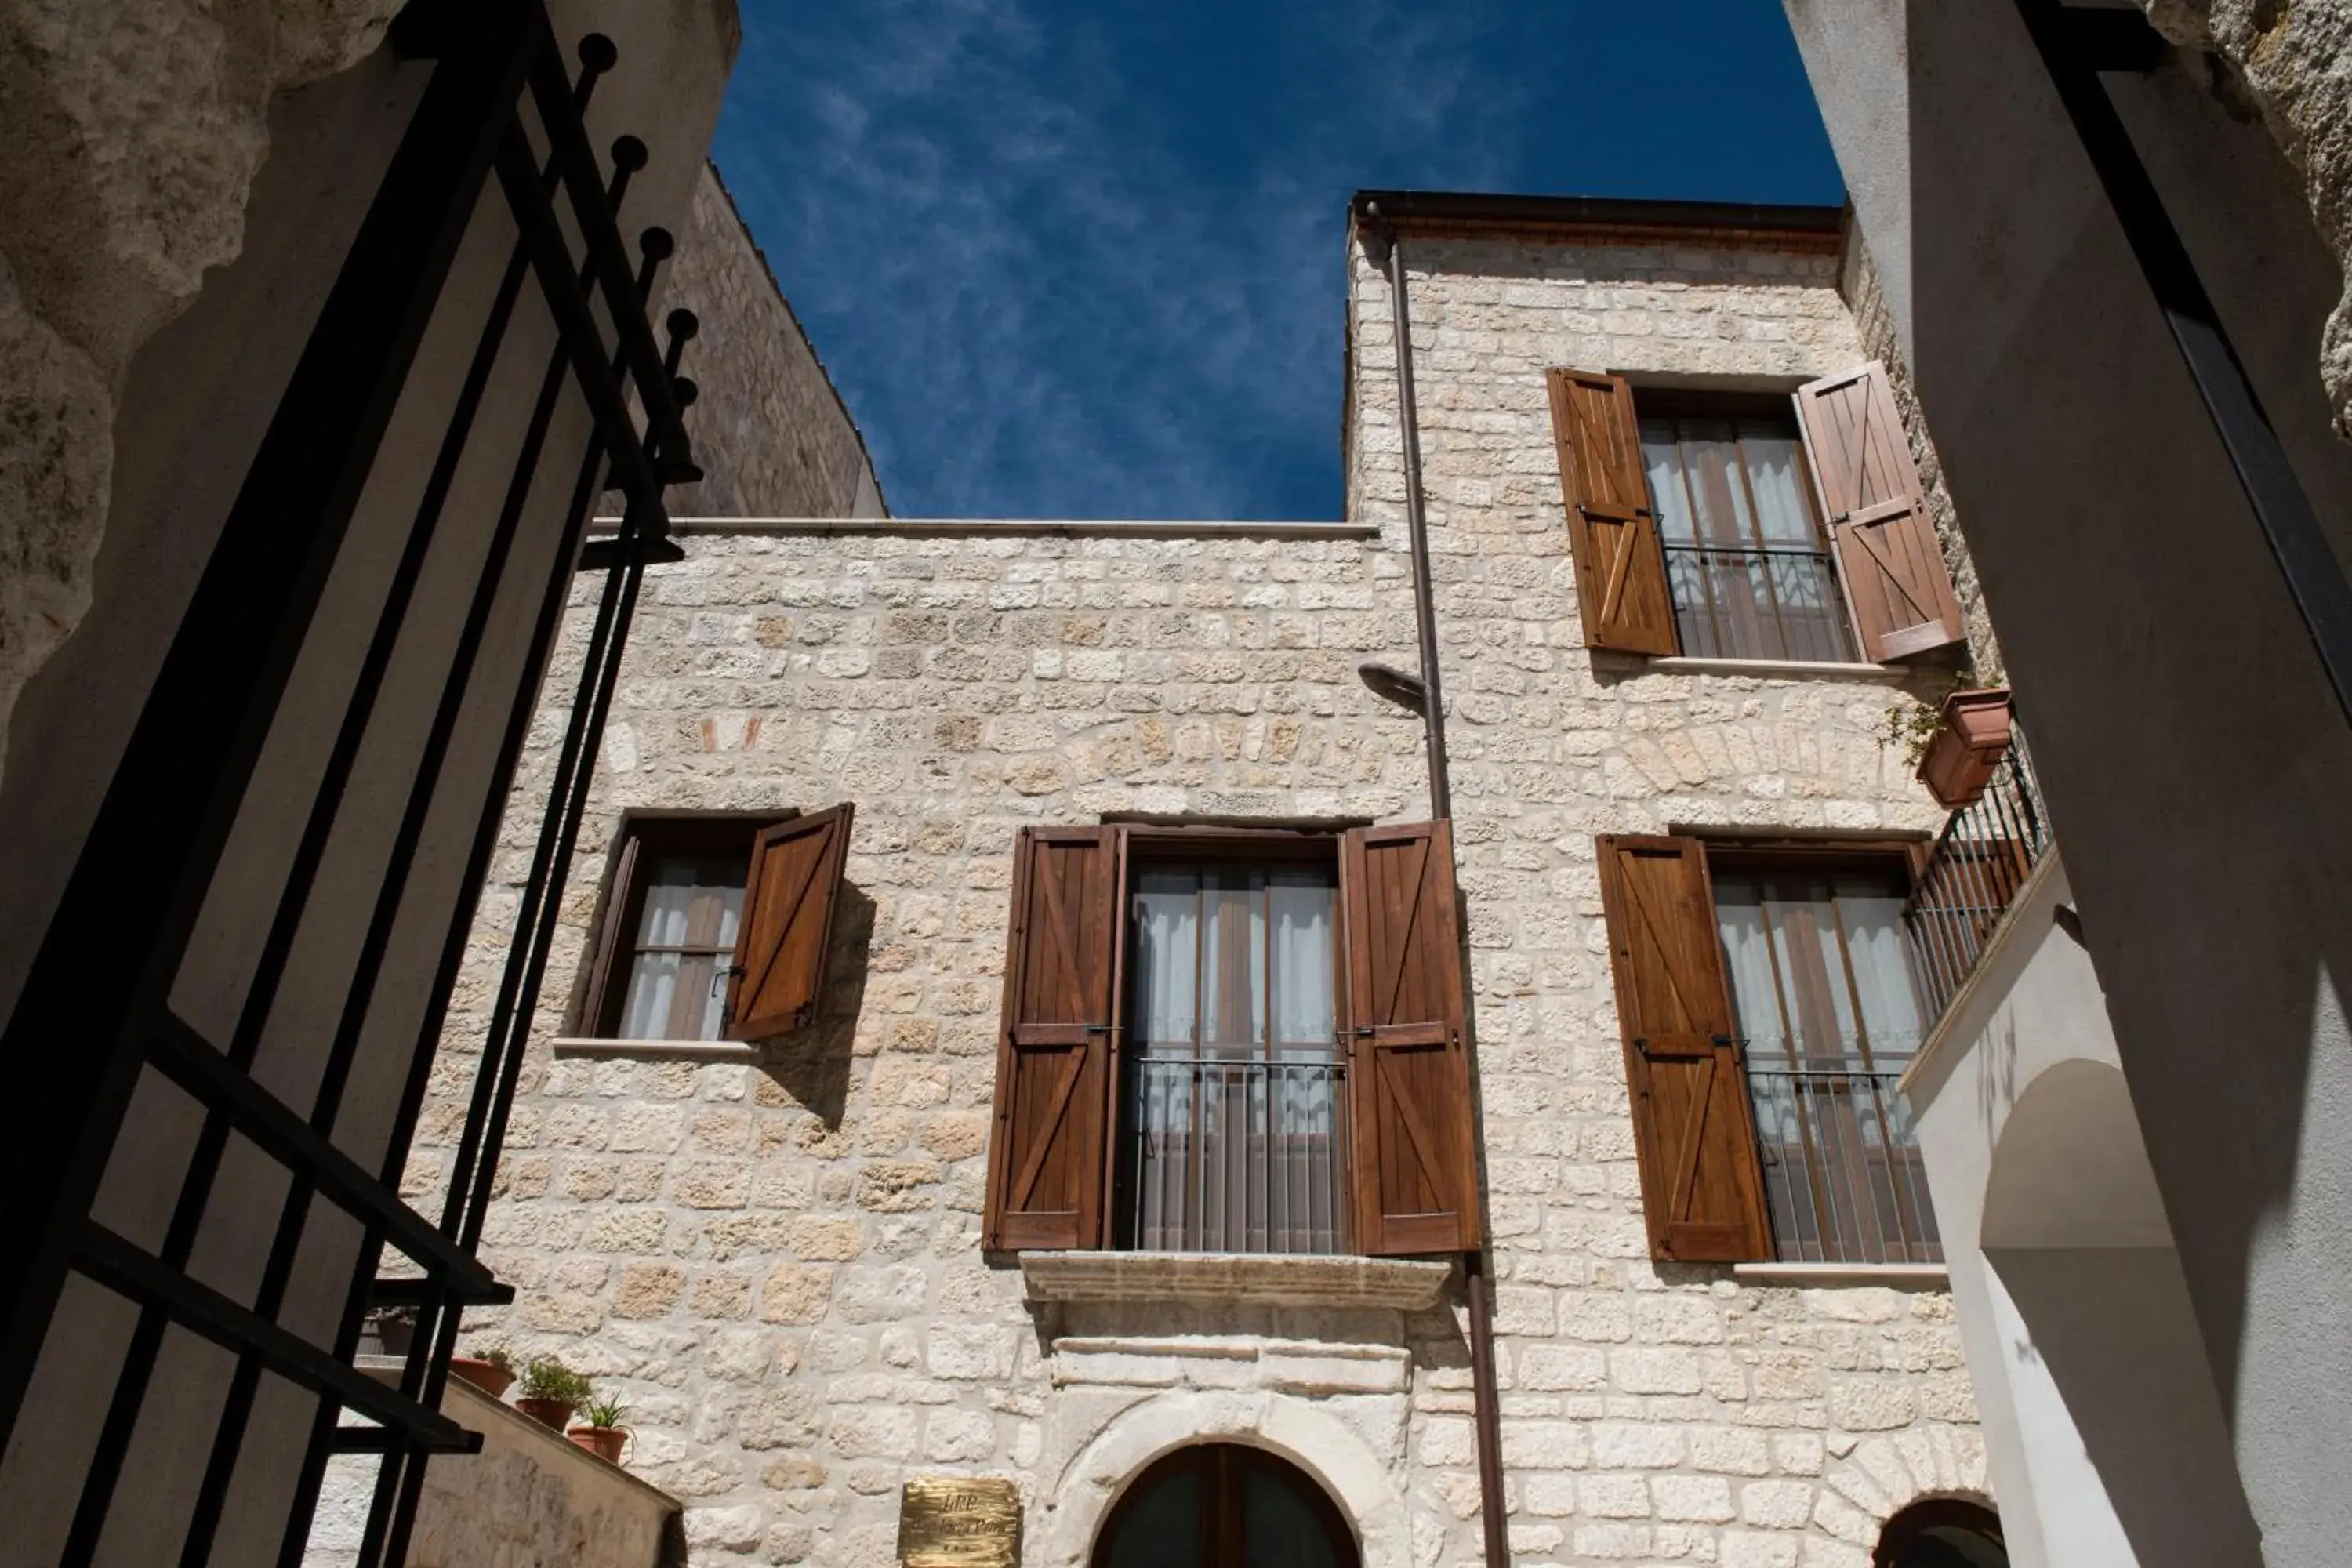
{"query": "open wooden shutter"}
{"type": "Point", "coordinates": [1046, 1162]}
{"type": "Point", "coordinates": [1612, 531]}
{"type": "Point", "coordinates": [1879, 528]}
{"type": "Point", "coordinates": [1408, 1066]}
{"type": "Point", "coordinates": [785, 931]}
{"type": "Point", "coordinates": [1694, 1131]}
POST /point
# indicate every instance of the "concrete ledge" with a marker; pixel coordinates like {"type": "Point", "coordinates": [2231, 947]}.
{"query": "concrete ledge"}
{"type": "Point", "coordinates": [657, 1050]}
{"type": "Point", "coordinates": [1783, 669]}
{"type": "Point", "coordinates": [1015, 527]}
{"type": "Point", "coordinates": [1920, 1276]}
{"type": "Point", "coordinates": [1401, 1284]}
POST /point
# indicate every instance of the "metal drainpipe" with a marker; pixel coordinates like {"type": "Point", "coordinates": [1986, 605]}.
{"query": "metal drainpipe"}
{"type": "Point", "coordinates": [1486, 1415]}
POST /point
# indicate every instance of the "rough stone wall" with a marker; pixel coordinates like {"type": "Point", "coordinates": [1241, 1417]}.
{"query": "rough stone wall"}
{"type": "Point", "coordinates": [1882, 341]}
{"type": "Point", "coordinates": [2294, 58]}
{"type": "Point", "coordinates": [134, 128]}
{"type": "Point", "coordinates": [770, 432]}
{"type": "Point", "coordinates": [776, 1261]}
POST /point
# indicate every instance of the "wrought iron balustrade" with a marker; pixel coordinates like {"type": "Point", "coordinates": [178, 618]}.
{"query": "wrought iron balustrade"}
{"type": "Point", "coordinates": [1234, 1154]}
{"type": "Point", "coordinates": [1982, 858]}
{"type": "Point", "coordinates": [1733, 602]}
{"type": "Point", "coordinates": [1842, 1177]}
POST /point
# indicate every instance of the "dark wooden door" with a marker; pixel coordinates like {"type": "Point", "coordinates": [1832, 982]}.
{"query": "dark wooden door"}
{"type": "Point", "coordinates": [1224, 1505]}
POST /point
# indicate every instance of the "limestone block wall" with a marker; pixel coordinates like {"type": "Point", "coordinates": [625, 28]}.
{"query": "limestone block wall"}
{"type": "Point", "coordinates": [772, 436]}
{"type": "Point", "coordinates": [775, 1259]}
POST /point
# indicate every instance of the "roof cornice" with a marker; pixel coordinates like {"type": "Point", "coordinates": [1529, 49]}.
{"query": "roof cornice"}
{"type": "Point", "coordinates": [1605, 220]}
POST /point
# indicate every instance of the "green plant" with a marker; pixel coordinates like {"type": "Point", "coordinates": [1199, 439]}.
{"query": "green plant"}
{"type": "Point", "coordinates": [548, 1378]}
{"type": "Point", "coordinates": [500, 1359]}
{"type": "Point", "coordinates": [1911, 723]}
{"type": "Point", "coordinates": [605, 1412]}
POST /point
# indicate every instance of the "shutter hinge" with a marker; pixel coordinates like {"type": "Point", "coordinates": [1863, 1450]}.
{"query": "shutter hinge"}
{"type": "Point", "coordinates": [1365, 1031]}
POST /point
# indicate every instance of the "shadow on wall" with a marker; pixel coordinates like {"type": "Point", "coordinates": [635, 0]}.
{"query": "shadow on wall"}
{"type": "Point", "coordinates": [2116, 1405]}
{"type": "Point", "coordinates": [809, 1068]}
{"type": "Point", "coordinates": [2211, 876]}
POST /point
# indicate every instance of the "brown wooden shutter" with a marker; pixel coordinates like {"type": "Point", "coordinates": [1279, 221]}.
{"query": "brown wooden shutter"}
{"type": "Point", "coordinates": [1047, 1160]}
{"type": "Point", "coordinates": [1879, 528]}
{"type": "Point", "coordinates": [1613, 530]}
{"type": "Point", "coordinates": [607, 978]}
{"type": "Point", "coordinates": [1693, 1128]}
{"type": "Point", "coordinates": [1409, 1068]}
{"type": "Point", "coordinates": [785, 933]}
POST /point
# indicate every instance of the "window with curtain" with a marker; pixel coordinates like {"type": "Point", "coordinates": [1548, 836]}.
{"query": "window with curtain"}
{"type": "Point", "coordinates": [684, 941]}
{"type": "Point", "coordinates": [1829, 1017]}
{"type": "Point", "coordinates": [1234, 1135]}
{"type": "Point", "coordinates": [1747, 566]}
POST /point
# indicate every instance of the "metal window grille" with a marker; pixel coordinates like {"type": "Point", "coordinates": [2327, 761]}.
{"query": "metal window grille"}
{"type": "Point", "coordinates": [1982, 858]}
{"type": "Point", "coordinates": [496, 153]}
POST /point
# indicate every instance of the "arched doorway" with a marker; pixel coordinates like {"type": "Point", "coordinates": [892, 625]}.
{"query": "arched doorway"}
{"type": "Point", "coordinates": [1221, 1505]}
{"type": "Point", "coordinates": [1942, 1533]}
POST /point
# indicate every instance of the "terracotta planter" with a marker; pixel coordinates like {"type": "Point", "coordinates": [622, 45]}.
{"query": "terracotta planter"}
{"type": "Point", "coordinates": [488, 1376]}
{"type": "Point", "coordinates": [555, 1413]}
{"type": "Point", "coordinates": [1969, 747]}
{"type": "Point", "coordinates": [604, 1442]}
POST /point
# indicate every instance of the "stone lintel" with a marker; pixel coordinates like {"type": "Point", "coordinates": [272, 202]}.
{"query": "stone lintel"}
{"type": "Point", "coordinates": [1401, 1284]}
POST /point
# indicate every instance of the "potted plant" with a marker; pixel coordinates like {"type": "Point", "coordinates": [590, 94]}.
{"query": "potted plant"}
{"type": "Point", "coordinates": [1966, 749]}
{"type": "Point", "coordinates": [386, 1332]}
{"type": "Point", "coordinates": [603, 1436]}
{"type": "Point", "coordinates": [490, 1372]}
{"type": "Point", "coordinates": [551, 1392]}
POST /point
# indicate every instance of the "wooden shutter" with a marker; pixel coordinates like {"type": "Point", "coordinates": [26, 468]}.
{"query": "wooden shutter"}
{"type": "Point", "coordinates": [1884, 541]}
{"type": "Point", "coordinates": [1693, 1128]}
{"type": "Point", "coordinates": [1408, 1065]}
{"type": "Point", "coordinates": [784, 936]}
{"type": "Point", "coordinates": [1046, 1162]}
{"type": "Point", "coordinates": [1612, 531]}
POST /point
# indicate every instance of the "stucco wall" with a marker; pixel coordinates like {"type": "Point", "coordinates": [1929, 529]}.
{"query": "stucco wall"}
{"type": "Point", "coordinates": [530, 1496]}
{"type": "Point", "coordinates": [2200, 810]}
{"type": "Point", "coordinates": [778, 1261]}
{"type": "Point", "coordinates": [772, 436]}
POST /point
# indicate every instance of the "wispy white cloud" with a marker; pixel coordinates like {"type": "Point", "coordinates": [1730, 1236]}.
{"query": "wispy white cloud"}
{"type": "Point", "coordinates": [1071, 260]}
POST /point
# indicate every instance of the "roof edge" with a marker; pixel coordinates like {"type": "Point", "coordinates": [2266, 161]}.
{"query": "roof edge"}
{"type": "Point", "coordinates": [1605, 219]}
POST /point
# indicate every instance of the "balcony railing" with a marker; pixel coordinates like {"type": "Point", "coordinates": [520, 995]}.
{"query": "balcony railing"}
{"type": "Point", "coordinates": [1235, 1155]}
{"type": "Point", "coordinates": [1737, 602]}
{"type": "Point", "coordinates": [1842, 1177]}
{"type": "Point", "coordinates": [1981, 860]}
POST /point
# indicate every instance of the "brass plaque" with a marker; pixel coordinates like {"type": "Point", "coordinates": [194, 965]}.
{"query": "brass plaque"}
{"type": "Point", "coordinates": [959, 1522]}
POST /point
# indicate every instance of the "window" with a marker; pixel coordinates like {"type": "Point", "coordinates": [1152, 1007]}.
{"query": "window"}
{"type": "Point", "coordinates": [1768, 1008]}
{"type": "Point", "coordinates": [1233, 1114]}
{"type": "Point", "coordinates": [1692, 523]}
{"type": "Point", "coordinates": [1747, 566]}
{"type": "Point", "coordinates": [1222, 1041]}
{"type": "Point", "coordinates": [717, 928]}
{"type": "Point", "coordinates": [1828, 1016]}
{"type": "Point", "coordinates": [1227, 1504]}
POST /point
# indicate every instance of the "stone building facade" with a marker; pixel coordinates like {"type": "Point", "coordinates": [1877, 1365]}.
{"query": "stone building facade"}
{"type": "Point", "coordinates": [774, 1252]}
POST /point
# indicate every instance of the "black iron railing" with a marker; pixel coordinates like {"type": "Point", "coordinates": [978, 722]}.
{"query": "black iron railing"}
{"type": "Point", "coordinates": [1731, 602]}
{"type": "Point", "coordinates": [1236, 1155]}
{"type": "Point", "coordinates": [1982, 858]}
{"type": "Point", "coordinates": [1842, 1177]}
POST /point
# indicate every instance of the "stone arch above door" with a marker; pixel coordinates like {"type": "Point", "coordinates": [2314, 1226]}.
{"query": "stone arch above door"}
{"type": "Point", "coordinates": [1368, 1487]}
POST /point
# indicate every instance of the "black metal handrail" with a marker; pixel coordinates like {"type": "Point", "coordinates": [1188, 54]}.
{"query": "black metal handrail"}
{"type": "Point", "coordinates": [1748, 602]}
{"type": "Point", "coordinates": [1843, 1182]}
{"type": "Point", "coordinates": [1981, 860]}
{"type": "Point", "coordinates": [1235, 1154]}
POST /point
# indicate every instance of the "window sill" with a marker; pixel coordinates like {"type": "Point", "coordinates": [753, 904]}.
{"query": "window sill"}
{"type": "Point", "coordinates": [1401, 1284]}
{"type": "Point", "coordinates": [1919, 1276]}
{"type": "Point", "coordinates": [656, 1050]}
{"type": "Point", "coordinates": [1781, 670]}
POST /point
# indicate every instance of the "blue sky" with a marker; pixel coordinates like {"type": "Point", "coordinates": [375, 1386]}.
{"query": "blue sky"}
{"type": "Point", "coordinates": [1071, 259]}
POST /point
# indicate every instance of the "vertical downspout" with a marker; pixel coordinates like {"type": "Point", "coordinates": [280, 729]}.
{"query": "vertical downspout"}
{"type": "Point", "coordinates": [1486, 1413]}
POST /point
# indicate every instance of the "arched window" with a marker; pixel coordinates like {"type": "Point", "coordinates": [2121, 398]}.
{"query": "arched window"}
{"type": "Point", "coordinates": [1220, 1505]}
{"type": "Point", "coordinates": [1942, 1533]}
